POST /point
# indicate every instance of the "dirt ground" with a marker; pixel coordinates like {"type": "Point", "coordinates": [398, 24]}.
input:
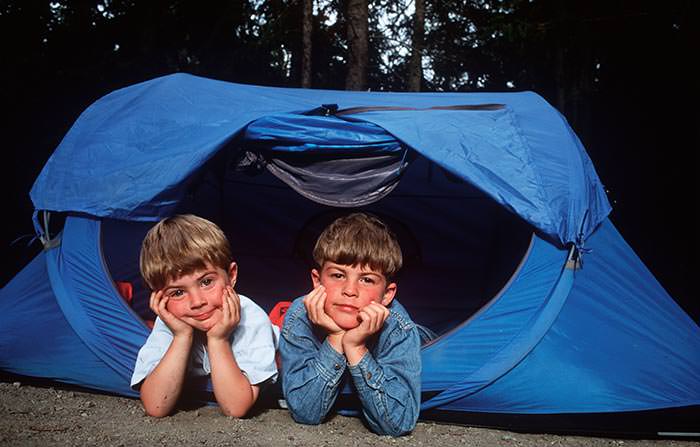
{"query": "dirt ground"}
{"type": "Point", "coordinates": [53, 415]}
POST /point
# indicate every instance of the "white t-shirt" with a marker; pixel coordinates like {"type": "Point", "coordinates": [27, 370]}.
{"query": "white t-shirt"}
{"type": "Point", "coordinates": [253, 342]}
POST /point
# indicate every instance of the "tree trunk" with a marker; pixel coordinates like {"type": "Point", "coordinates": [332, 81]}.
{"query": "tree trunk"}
{"type": "Point", "coordinates": [415, 66]}
{"type": "Point", "coordinates": [358, 32]}
{"type": "Point", "coordinates": [307, 12]}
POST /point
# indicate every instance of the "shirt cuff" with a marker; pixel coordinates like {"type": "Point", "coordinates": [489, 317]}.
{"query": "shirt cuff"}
{"type": "Point", "coordinates": [366, 373]}
{"type": "Point", "coordinates": [331, 363]}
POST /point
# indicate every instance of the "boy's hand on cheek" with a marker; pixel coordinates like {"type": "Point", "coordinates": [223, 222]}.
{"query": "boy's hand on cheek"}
{"type": "Point", "coordinates": [314, 303]}
{"type": "Point", "coordinates": [372, 319]}
{"type": "Point", "coordinates": [230, 316]}
{"type": "Point", "coordinates": [159, 305]}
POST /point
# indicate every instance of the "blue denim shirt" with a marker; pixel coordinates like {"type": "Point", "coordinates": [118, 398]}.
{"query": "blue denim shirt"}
{"type": "Point", "coordinates": [386, 380]}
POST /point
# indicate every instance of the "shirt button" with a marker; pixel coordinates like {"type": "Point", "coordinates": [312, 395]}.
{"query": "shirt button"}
{"type": "Point", "coordinates": [336, 366]}
{"type": "Point", "coordinates": [369, 375]}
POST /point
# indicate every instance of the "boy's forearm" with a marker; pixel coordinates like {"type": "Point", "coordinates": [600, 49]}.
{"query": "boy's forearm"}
{"type": "Point", "coordinates": [161, 389]}
{"type": "Point", "coordinates": [234, 393]}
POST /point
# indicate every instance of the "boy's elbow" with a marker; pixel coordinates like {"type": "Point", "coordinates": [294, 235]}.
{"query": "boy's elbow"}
{"type": "Point", "coordinates": [155, 411]}
{"type": "Point", "coordinates": [397, 431]}
{"type": "Point", "coordinates": [303, 415]}
{"type": "Point", "coordinates": [156, 408]}
{"type": "Point", "coordinates": [389, 429]}
{"type": "Point", "coordinates": [400, 425]}
{"type": "Point", "coordinates": [238, 405]}
{"type": "Point", "coordinates": [305, 419]}
{"type": "Point", "coordinates": [234, 412]}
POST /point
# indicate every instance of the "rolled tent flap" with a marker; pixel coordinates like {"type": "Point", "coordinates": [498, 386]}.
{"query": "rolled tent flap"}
{"type": "Point", "coordinates": [151, 137]}
{"type": "Point", "coordinates": [326, 159]}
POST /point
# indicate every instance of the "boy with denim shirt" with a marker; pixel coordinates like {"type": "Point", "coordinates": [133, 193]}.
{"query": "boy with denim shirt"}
{"type": "Point", "coordinates": [350, 328]}
{"type": "Point", "coordinates": [203, 327]}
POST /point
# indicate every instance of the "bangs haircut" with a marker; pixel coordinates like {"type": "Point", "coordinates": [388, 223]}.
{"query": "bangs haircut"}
{"type": "Point", "coordinates": [181, 245]}
{"type": "Point", "coordinates": [359, 239]}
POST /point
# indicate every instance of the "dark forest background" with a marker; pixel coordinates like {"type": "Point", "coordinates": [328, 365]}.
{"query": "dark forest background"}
{"type": "Point", "coordinates": [622, 72]}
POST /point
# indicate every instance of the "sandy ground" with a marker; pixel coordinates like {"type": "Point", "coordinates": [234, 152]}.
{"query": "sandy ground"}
{"type": "Point", "coordinates": [53, 415]}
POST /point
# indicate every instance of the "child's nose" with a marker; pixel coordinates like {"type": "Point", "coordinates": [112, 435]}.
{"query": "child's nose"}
{"type": "Point", "coordinates": [197, 299]}
{"type": "Point", "coordinates": [350, 288]}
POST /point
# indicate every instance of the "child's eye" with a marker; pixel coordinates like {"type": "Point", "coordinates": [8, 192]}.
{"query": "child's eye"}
{"type": "Point", "coordinates": [336, 275]}
{"type": "Point", "coordinates": [206, 282]}
{"type": "Point", "coordinates": [367, 280]}
{"type": "Point", "coordinates": [177, 293]}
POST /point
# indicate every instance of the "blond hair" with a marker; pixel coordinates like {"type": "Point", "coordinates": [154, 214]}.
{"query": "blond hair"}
{"type": "Point", "coordinates": [359, 239]}
{"type": "Point", "coordinates": [181, 245]}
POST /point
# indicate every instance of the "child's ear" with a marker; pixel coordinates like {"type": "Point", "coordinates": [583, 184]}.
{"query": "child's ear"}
{"type": "Point", "coordinates": [233, 273]}
{"type": "Point", "coordinates": [315, 278]}
{"type": "Point", "coordinates": [389, 294]}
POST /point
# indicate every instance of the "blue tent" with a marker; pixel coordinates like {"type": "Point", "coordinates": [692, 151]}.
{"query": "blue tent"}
{"type": "Point", "coordinates": [547, 318]}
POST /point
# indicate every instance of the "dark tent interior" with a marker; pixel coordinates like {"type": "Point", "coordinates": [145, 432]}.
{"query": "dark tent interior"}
{"type": "Point", "coordinates": [459, 246]}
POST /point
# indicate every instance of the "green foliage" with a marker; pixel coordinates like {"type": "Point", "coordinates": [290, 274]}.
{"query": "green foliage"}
{"type": "Point", "coordinates": [564, 50]}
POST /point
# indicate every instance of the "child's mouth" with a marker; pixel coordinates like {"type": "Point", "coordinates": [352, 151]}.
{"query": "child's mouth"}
{"type": "Point", "coordinates": [204, 316]}
{"type": "Point", "coordinates": [346, 308]}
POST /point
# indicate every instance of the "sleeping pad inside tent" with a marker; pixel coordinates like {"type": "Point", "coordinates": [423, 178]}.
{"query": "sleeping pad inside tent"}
{"type": "Point", "coordinates": [546, 319]}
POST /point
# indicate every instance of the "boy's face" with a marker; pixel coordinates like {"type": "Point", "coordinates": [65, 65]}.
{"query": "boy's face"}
{"type": "Point", "coordinates": [197, 298]}
{"type": "Point", "coordinates": [349, 289]}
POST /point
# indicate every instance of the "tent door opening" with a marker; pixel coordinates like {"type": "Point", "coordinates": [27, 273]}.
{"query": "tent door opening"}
{"type": "Point", "coordinates": [283, 180]}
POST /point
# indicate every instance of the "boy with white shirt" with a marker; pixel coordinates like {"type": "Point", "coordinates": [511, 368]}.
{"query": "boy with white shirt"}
{"type": "Point", "coordinates": [203, 327]}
